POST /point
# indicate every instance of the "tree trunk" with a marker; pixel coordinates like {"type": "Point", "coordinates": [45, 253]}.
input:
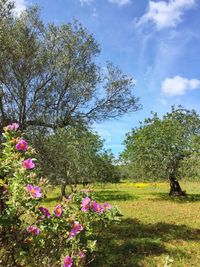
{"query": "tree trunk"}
{"type": "Point", "coordinates": [63, 188]}
{"type": "Point", "coordinates": [4, 119]}
{"type": "Point", "coordinates": [175, 188]}
{"type": "Point", "coordinates": [64, 185]}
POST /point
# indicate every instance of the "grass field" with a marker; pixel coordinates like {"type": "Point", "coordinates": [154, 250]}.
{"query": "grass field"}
{"type": "Point", "coordinates": [154, 226]}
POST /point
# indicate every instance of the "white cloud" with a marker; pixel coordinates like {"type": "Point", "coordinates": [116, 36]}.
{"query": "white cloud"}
{"type": "Point", "coordinates": [179, 85]}
{"type": "Point", "coordinates": [20, 5]}
{"type": "Point", "coordinates": [120, 2]}
{"type": "Point", "coordinates": [85, 2]}
{"type": "Point", "coordinates": [166, 14]}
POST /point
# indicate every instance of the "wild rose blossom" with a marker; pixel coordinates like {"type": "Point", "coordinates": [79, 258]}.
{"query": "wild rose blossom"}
{"type": "Point", "coordinates": [76, 228]}
{"type": "Point", "coordinates": [68, 261]}
{"type": "Point", "coordinates": [33, 230]}
{"type": "Point", "coordinates": [97, 207]}
{"type": "Point", "coordinates": [107, 206]}
{"type": "Point", "coordinates": [45, 212]}
{"type": "Point", "coordinates": [58, 211]}
{"type": "Point", "coordinates": [82, 255]}
{"type": "Point", "coordinates": [22, 145]}
{"type": "Point", "coordinates": [35, 191]}
{"type": "Point", "coordinates": [28, 164]}
{"type": "Point", "coordinates": [13, 126]}
{"type": "Point", "coordinates": [85, 204]}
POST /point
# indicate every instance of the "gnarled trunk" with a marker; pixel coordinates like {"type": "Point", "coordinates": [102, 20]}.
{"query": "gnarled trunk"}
{"type": "Point", "coordinates": [63, 189]}
{"type": "Point", "coordinates": [64, 185]}
{"type": "Point", "coordinates": [175, 188]}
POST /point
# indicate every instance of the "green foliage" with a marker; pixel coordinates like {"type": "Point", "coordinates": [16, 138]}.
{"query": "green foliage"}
{"type": "Point", "coordinates": [107, 170]}
{"type": "Point", "coordinates": [69, 155]}
{"type": "Point", "coordinates": [6, 7]}
{"type": "Point", "coordinates": [158, 147]}
{"type": "Point", "coordinates": [74, 155]}
{"type": "Point", "coordinates": [190, 167]}
{"type": "Point", "coordinates": [49, 76]}
{"type": "Point", "coordinates": [31, 235]}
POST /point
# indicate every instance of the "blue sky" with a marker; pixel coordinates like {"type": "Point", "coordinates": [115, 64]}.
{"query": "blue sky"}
{"type": "Point", "coordinates": [155, 42]}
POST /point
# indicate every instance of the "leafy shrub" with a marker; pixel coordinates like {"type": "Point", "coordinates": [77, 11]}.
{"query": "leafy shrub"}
{"type": "Point", "coordinates": [32, 235]}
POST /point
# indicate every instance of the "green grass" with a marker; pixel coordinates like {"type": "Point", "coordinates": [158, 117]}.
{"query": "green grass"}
{"type": "Point", "coordinates": [154, 226]}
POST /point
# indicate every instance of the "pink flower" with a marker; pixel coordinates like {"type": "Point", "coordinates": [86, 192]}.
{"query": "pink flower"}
{"type": "Point", "coordinates": [68, 261]}
{"type": "Point", "coordinates": [85, 204]}
{"type": "Point", "coordinates": [13, 126]}
{"type": "Point", "coordinates": [76, 228]}
{"type": "Point", "coordinates": [81, 255]}
{"type": "Point", "coordinates": [22, 145]}
{"type": "Point", "coordinates": [35, 191]}
{"type": "Point", "coordinates": [28, 164]}
{"type": "Point", "coordinates": [58, 211]}
{"type": "Point", "coordinates": [96, 207]}
{"type": "Point", "coordinates": [33, 230]}
{"type": "Point", "coordinates": [45, 212]}
{"type": "Point", "coordinates": [107, 206]}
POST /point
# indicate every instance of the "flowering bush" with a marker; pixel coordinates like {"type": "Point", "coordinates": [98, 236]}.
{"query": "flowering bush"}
{"type": "Point", "coordinates": [33, 235]}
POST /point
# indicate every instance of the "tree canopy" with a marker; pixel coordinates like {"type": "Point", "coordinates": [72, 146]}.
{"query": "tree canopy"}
{"type": "Point", "coordinates": [74, 155]}
{"type": "Point", "coordinates": [49, 75]}
{"type": "Point", "coordinates": [6, 7]}
{"type": "Point", "coordinates": [157, 148]}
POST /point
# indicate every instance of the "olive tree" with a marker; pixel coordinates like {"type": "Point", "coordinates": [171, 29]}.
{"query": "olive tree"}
{"type": "Point", "coordinates": [106, 168]}
{"type": "Point", "coordinates": [157, 148]}
{"type": "Point", "coordinates": [49, 76]}
{"type": "Point", "coordinates": [73, 155]}
{"type": "Point", "coordinates": [6, 8]}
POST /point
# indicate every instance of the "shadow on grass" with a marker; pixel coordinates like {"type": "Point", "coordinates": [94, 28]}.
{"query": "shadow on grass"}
{"type": "Point", "coordinates": [101, 196]}
{"type": "Point", "coordinates": [178, 199]}
{"type": "Point", "coordinates": [112, 195]}
{"type": "Point", "coordinates": [128, 243]}
{"type": "Point", "coordinates": [52, 199]}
